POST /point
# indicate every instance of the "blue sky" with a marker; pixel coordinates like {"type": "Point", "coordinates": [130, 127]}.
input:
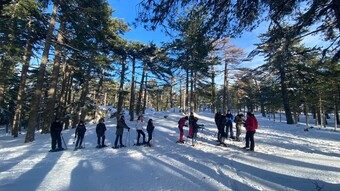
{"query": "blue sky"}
{"type": "Point", "coordinates": [127, 11]}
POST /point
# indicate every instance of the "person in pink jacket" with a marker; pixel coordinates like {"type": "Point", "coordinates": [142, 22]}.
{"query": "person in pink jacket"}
{"type": "Point", "coordinates": [251, 125]}
{"type": "Point", "coordinates": [181, 123]}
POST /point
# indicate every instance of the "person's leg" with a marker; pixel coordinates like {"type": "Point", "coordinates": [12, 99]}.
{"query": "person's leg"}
{"type": "Point", "coordinates": [81, 140]}
{"type": "Point", "coordinates": [121, 140]}
{"type": "Point", "coordinates": [219, 134]}
{"type": "Point", "coordinates": [78, 139]}
{"type": "Point", "coordinates": [231, 130]}
{"type": "Point", "coordinates": [181, 134]}
{"type": "Point", "coordinates": [116, 141]}
{"type": "Point", "coordinates": [190, 131]}
{"type": "Point", "coordinates": [252, 141]}
{"type": "Point", "coordinates": [238, 132]}
{"type": "Point", "coordinates": [53, 141]}
{"type": "Point", "coordinates": [226, 130]}
{"type": "Point", "coordinates": [103, 140]}
{"type": "Point", "coordinates": [138, 136]}
{"type": "Point", "coordinates": [98, 140]}
{"type": "Point", "coordinates": [149, 137]}
{"type": "Point", "coordinates": [59, 140]}
{"type": "Point", "coordinates": [143, 134]}
{"type": "Point", "coordinates": [247, 139]}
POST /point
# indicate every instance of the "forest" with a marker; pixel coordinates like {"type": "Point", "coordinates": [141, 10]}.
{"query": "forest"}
{"type": "Point", "coordinates": [64, 59]}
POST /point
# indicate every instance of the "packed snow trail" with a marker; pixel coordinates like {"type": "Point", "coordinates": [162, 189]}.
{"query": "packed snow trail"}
{"type": "Point", "coordinates": [285, 158]}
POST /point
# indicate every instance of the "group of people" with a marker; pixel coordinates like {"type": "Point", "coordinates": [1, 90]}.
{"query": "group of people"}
{"type": "Point", "coordinates": [121, 125]}
{"type": "Point", "coordinates": [193, 127]}
{"type": "Point", "coordinates": [224, 125]}
{"type": "Point", "coordinates": [57, 126]}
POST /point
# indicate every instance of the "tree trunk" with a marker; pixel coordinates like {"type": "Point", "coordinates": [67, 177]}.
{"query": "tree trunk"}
{"type": "Point", "coordinates": [121, 87]}
{"type": "Point", "coordinates": [285, 97]}
{"type": "Point", "coordinates": [192, 104]}
{"type": "Point", "coordinates": [85, 91]}
{"type": "Point", "coordinates": [186, 90]}
{"type": "Point", "coordinates": [51, 100]}
{"type": "Point", "coordinates": [225, 87]}
{"type": "Point", "coordinates": [25, 66]}
{"type": "Point", "coordinates": [213, 91]}
{"type": "Point", "coordinates": [132, 91]}
{"type": "Point", "coordinates": [35, 103]}
{"type": "Point", "coordinates": [139, 101]}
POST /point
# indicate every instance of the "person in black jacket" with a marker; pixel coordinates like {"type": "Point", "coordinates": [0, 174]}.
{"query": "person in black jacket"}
{"type": "Point", "coordinates": [80, 133]}
{"type": "Point", "coordinates": [218, 119]}
{"type": "Point", "coordinates": [149, 128]}
{"type": "Point", "coordinates": [100, 130]}
{"type": "Point", "coordinates": [56, 128]}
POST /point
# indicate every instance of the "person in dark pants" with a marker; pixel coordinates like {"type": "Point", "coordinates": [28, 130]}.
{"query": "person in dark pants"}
{"type": "Point", "coordinates": [56, 128]}
{"type": "Point", "coordinates": [100, 130]}
{"type": "Point", "coordinates": [229, 126]}
{"type": "Point", "coordinates": [149, 128]}
{"type": "Point", "coordinates": [194, 130]}
{"type": "Point", "coordinates": [251, 126]}
{"type": "Point", "coordinates": [119, 131]}
{"type": "Point", "coordinates": [218, 117]}
{"type": "Point", "coordinates": [80, 133]}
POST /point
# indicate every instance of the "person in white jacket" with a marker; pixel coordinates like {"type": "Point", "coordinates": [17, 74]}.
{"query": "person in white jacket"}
{"type": "Point", "coordinates": [139, 128]}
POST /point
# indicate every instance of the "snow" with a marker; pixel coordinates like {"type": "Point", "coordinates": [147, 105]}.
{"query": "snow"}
{"type": "Point", "coordinates": [286, 158]}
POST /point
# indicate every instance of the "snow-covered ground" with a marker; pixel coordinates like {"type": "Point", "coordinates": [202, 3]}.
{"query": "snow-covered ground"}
{"type": "Point", "coordinates": [286, 158]}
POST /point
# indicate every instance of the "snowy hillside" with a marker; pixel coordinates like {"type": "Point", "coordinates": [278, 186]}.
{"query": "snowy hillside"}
{"type": "Point", "coordinates": [285, 158]}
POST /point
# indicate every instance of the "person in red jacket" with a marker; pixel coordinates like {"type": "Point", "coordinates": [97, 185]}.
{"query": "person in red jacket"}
{"type": "Point", "coordinates": [181, 123]}
{"type": "Point", "coordinates": [251, 125]}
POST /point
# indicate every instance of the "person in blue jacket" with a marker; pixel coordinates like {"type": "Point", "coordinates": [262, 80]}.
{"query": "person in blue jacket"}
{"type": "Point", "coordinates": [229, 124]}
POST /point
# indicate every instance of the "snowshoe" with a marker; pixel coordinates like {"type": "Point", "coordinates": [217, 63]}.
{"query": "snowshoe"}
{"type": "Point", "coordinates": [181, 142]}
{"type": "Point", "coordinates": [115, 147]}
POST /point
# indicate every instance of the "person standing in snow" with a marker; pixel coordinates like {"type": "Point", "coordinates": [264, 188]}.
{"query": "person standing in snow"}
{"type": "Point", "coordinates": [56, 128]}
{"type": "Point", "coordinates": [149, 128]}
{"type": "Point", "coordinates": [194, 130]}
{"type": "Point", "coordinates": [119, 131]}
{"type": "Point", "coordinates": [220, 123]}
{"type": "Point", "coordinates": [181, 124]}
{"type": "Point", "coordinates": [100, 130]}
{"type": "Point", "coordinates": [239, 123]}
{"type": "Point", "coordinates": [139, 129]}
{"type": "Point", "coordinates": [251, 125]}
{"type": "Point", "coordinates": [191, 122]}
{"type": "Point", "coordinates": [229, 124]}
{"type": "Point", "coordinates": [79, 134]}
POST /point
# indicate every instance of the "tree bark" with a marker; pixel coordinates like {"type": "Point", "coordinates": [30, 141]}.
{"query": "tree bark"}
{"type": "Point", "coordinates": [35, 103]}
{"type": "Point", "coordinates": [132, 91]}
{"type": "Point", "coordinates": [121, 87]}
{"type": "Point", "coordinates": [285, 97]}
{"type": "Point", "coordinates": [24, 70]}
{"type": "Point", "coordinates": [51, 100]}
